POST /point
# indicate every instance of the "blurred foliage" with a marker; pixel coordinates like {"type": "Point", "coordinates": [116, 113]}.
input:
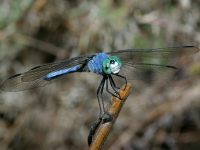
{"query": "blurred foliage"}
{"type": "Point", "coordinates": [11, 11]}
{"type": "Point", "coordinates": [196, 69]}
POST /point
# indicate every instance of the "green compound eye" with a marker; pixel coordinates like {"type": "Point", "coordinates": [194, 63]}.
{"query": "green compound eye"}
{"type": "Point", "coordinates": [111, 65]}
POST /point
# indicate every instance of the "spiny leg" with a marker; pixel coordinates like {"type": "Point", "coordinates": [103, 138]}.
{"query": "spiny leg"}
{"type": "Point", "coordinates": [94, 126]}
{"type": "Point", "coordinates": [104, 116]}
{"type": "Point", "coordinates": [98, 92]}
{"type": "Point", "coordinates": [113, 85]}
{"type": "Point", "coordinates": [123, 77]}
{"type": "Point", "coordinates": [113, 82]}
{"type": "Point", "coordinates": [107, 89]}
{"type": "Point", "coordinates": [101, 92]}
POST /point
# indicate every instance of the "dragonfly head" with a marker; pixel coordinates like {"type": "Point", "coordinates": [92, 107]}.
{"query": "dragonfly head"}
{"type": "Point", "coordinates": [112, 64]}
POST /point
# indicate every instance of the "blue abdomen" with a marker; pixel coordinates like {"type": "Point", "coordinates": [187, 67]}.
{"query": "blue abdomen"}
{"type": "Point", "coordinates": [95, 64]}
{"type": "Point", "coordinates": [55, 74]}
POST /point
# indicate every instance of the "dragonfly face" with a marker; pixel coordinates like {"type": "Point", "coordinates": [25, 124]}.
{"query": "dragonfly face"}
{"type": "Point", "coordinates": [111, 65]}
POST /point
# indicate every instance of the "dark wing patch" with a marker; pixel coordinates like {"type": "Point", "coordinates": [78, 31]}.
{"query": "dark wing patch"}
{"type": "Point", "coordinates": [35, 67]}
{"type": "Point", "coordinates": [13, 76]}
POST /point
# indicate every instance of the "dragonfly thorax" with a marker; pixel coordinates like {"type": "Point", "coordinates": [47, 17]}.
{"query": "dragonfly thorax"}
{"type": "Point", "coordinates": [112, 64]}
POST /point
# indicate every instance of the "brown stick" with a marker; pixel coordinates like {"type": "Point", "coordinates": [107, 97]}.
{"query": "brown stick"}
{"type": "Point", "coordinates": [114, 109]}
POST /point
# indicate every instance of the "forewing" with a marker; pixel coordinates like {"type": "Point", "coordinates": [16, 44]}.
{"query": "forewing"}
{"type": "Point", "coordinates": [151, 64]}
{"type": "Point", "coordinates": [34, 77]}
{"type": "Point", "coordinates": [149, 55]}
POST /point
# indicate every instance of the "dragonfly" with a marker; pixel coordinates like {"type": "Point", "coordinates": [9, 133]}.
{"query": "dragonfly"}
{"type": "Point", "coordinates": [107, 65]}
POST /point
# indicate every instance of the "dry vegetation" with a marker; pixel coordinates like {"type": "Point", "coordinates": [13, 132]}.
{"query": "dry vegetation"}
{"type": "Point", "coordinates": [57, 117]}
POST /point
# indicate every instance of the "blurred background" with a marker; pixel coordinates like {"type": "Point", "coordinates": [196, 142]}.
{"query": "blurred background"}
{"type": "Point", "coordinates": [156, 116]}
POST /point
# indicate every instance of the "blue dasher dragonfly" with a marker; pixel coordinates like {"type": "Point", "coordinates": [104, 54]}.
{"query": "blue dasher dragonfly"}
{"type": "Point", "coordinates": [105, 64]}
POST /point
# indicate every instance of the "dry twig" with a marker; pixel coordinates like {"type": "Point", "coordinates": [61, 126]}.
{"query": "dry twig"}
{"type": "Point", "coordinates": [114, 109]}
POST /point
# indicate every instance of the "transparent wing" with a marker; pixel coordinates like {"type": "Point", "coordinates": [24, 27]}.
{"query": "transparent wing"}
{"type": "Point", "coordinates": [151, 64]}
{"type": "Point", "coordinates": [148, 72]}
{"type": "Point", "coordinates": [145, 55]}
{"type": "Point", "coordinates": [34, 77]}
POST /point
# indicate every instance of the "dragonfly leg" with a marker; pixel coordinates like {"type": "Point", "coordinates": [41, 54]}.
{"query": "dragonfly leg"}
{"type": "Point", "coordinates": [99, 96]}
{"type": "Point", "coordinates": [123, 77]}
{"type": "Point", "coordinates": [98, 90]}
{"type": "Point", "coordinates": [113, 82]}
{"type": "Point", "coordinates": [101, 92]}
{"type": "Point", "coordinates": [107, 89]}
{"type": "Point", "coordinates": [104, 116]}
{"type": "Point", "coordinates": [113, 85]}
